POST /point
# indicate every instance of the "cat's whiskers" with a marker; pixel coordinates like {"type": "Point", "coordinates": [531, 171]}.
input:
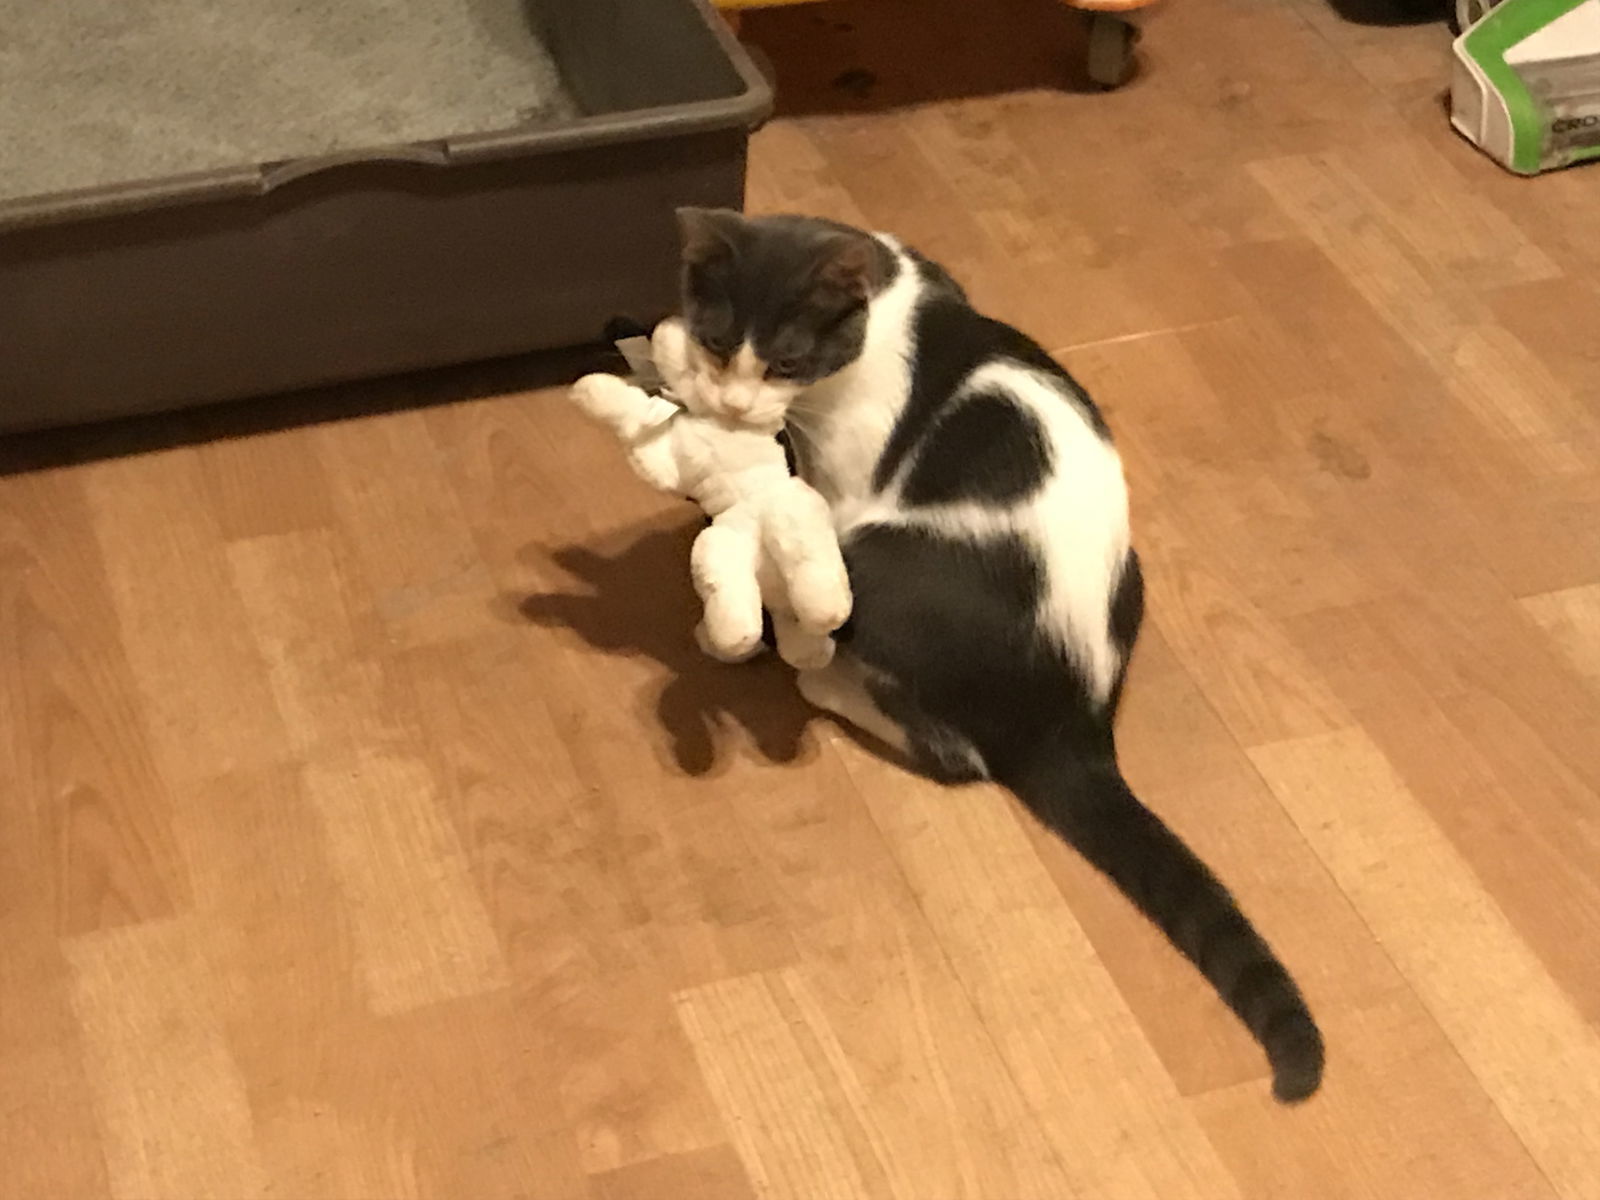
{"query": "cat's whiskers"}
{"type": "Point", "coordinates": [798, 413]}
{"type": "Point", "coordinates": [802, 437]}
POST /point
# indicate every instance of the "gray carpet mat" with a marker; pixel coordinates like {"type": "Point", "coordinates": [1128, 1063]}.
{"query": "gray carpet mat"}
{"type": "Point", "coordinates": [108, 91]}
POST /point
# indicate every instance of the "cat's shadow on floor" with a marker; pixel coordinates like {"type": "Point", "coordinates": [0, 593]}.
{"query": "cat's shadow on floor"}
{"type": "Point", "coordinates": [635, 599]}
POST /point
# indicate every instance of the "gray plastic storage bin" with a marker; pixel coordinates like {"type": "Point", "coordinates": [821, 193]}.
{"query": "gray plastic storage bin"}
{"type": "Point", "coordinates": [260, 278]}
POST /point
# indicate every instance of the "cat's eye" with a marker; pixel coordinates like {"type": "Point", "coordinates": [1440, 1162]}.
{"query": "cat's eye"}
{"type": "Point", "coordinates": [783, 368]}
{"type": "Point", "coordinates": [719, 348]}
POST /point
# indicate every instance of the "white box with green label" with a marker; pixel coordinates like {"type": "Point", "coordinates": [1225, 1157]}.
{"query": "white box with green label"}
{"type": "Point", "coordinates": [1526, 87]}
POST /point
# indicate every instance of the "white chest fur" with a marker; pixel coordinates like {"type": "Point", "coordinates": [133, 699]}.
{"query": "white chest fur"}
{"type": "Point", "coordinates": [842, 424]}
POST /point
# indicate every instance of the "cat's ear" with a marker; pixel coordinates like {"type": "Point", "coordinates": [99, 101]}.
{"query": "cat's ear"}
{"type": "Point", "coordinates": [852, 264]}
{"type": "Point", "coordinates": [708, 233]}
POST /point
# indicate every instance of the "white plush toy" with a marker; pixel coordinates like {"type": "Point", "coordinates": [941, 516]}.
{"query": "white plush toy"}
{"type": "Point", "coordinates": [771, 541]}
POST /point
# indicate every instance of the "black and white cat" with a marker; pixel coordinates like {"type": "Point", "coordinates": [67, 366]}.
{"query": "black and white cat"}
{"type": "Point", "coordinates": [983, 514]}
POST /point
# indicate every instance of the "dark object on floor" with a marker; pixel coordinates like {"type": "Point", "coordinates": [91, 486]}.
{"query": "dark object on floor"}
{"type": "Point", "coordinates": [1392, 12]}
{"type": "Point", "coordinates": [857, 81]}
{"type": "Point", "coordinates": [1111, 62]}
{"type": "Point", "coordinates": [619, 329]}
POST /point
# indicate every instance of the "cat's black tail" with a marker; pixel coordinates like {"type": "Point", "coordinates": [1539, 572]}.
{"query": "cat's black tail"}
{"type": "Point", "coordinates": [1091, 807]}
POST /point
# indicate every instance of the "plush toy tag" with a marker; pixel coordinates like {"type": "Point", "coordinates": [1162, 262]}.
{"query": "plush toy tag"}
{"type": "Point", "coordinates": [642, 362]}
{"type": "Point", "coordinates": [661, 411]}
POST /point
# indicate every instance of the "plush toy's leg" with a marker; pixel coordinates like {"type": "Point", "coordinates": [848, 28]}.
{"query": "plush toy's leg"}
{"type": "Point", "coordinates": [723, 564]}
{"type": "Point", "coordinates": [841, 688]}
{"type": "Point", "coordinates": [798, 534]}
{"type": "Point", "coordinates": [800, 647]}
{"type": "Point", "coordinates": [711, 650]}
{"type": "Point", "coordinates": [634, 416]}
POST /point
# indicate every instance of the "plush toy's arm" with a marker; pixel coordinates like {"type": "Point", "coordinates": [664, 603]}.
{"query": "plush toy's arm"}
{"type": "Point", "coordinates": [797, 534]}
{"type": "Point", "coordinates": [641, 420]}
{"type": "Point", "coordinates": [629, 412]}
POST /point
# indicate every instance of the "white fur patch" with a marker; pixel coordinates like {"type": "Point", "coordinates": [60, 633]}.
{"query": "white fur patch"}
{"type": "Point", "coordinates": [746, 367]}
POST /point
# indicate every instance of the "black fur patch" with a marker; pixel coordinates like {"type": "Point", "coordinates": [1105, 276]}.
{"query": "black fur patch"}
{"type": "Point", "coordinates": [1127, 615]}
{"type": "Point", "coordinates": [988, 449]}
{"type": "Point", "coordinates": [790, 459]}
{"type": "Point", "coordinates": [955, 623]}
{"type": "Point", "coordinates": [936, 279]}
{"type": "Point", "coordinates": [952, 341]}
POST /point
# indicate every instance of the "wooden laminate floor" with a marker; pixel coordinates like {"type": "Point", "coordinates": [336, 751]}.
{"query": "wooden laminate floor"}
{"type": "Point", "coordinates": [370, 827]}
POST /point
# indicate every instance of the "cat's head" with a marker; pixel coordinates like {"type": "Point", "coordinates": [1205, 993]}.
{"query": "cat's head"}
{"type": "Point", "coordinates": [772, 305]}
